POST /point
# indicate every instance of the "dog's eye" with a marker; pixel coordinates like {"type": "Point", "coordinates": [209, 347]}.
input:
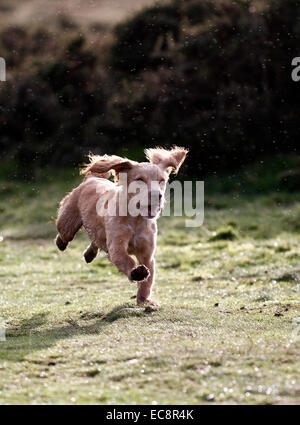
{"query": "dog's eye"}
{"type": "Point", "coordinates": [162, 182]}
{"type": "Point", "coordinates": [140, 180]}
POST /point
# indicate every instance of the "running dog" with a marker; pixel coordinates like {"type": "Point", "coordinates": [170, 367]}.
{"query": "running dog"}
{"type": "Point", "coordinates": [121, 234]}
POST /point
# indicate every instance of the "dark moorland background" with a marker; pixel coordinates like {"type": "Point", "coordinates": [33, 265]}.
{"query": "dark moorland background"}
{"type": "Point", "coordinates": [211, 75]}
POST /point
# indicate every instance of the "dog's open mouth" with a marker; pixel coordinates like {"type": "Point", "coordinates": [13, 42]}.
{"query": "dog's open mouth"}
{"type": "Point", "coordinates": [150, 212]}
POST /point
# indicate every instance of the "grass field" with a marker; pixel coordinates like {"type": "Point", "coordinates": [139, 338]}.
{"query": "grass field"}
{"type": "Point", "coordinates": [226, 331]}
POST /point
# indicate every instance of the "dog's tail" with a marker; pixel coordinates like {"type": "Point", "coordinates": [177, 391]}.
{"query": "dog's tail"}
{"type": "Point", "coordinates": [93, 168]}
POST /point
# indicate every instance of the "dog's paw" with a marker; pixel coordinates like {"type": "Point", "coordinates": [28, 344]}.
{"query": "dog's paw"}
{"type": "Point", "coordinates": [61, 245]}
{"type": "Point", "coordinates": [139, 273]}
{"type": "Point", "coordinates": [89, 255]}
{"type": "Point", "coordinates": [149, 304]}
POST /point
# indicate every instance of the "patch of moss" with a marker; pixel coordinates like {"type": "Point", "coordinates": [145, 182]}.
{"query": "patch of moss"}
{"type": "Point", "coordinates": [227, 233]}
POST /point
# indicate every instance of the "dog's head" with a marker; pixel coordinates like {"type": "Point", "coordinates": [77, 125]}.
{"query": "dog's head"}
{"type": "Point", "coordinates": [144, 182]}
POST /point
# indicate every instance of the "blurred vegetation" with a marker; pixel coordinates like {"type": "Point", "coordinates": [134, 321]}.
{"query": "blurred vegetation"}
{"type": "Point", "coordinates": [212, 75]}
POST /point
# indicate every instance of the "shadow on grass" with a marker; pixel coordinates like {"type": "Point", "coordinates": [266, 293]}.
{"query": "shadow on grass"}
{"type": "Point", "coordinates": [34, 322]}
{"type": "Point", "coordinates": [24, 338]}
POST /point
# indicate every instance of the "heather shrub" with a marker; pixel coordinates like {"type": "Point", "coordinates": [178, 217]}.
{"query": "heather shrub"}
{"type": "Point", "coordinates": [214, 76]}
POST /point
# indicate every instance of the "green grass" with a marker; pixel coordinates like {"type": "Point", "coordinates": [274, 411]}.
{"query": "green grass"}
{"type": "Point", "coordinates": [226, 330]}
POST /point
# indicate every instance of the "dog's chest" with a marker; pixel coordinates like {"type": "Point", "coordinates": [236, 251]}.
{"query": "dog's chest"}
{"type": "Point", "coordinates": [140, 239]}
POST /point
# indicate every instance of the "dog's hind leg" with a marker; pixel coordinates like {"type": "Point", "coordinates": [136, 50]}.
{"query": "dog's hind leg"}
{"type": "Point", "coordinates": [90, 253]}
{"type": "Point", "coordinates": [68, 220]}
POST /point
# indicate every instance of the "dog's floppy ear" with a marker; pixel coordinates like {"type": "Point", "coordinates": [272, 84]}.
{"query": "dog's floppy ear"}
{"type": "Point", "coordinates": [104, 164]}
{"type": "Point", "coordinates": [170, 160]}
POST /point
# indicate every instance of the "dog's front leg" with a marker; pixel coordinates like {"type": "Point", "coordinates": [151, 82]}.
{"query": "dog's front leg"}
{"type": "Point", "coordinates": [145, 249]}
{"type": "Point", "coordinates": [118, 255]}
{"type": "Point", "coordinates": [145, 287]}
